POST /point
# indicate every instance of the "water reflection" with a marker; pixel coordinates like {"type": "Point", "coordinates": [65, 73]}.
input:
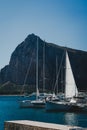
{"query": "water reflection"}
{"type": "Point", "coordinates": [71, 119]}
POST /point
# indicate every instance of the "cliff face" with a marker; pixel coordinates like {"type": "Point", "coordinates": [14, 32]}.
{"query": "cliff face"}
{"type": "Point", "coordinates": [23, 64]}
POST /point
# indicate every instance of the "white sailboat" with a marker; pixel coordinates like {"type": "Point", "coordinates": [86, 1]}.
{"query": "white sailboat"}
{"type": "Point", "coordinates": [38, 103]}
{"type": "Point", "coordinates": [77, 102]}
{"type": "Point", "coordinates": [70, 91]}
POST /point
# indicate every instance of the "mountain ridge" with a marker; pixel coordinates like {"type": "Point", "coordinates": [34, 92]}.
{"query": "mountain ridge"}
{"type": "Point", "coordinates": [15, 71]}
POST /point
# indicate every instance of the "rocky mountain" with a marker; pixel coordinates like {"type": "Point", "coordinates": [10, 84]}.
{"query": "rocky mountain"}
{"type": "Point", "coordinates": [22, 66]}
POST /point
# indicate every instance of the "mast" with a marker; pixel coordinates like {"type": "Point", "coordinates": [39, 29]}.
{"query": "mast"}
{"type": "Point", "coordinates": [44, 66]}
{"type": "Point", "coordinates": [57, 72]}
{"type": "Point", "coordinates": [37, 91]}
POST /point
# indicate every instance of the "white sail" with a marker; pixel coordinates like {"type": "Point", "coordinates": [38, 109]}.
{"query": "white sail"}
{"type": "Point", "coordinates": [70, 85]}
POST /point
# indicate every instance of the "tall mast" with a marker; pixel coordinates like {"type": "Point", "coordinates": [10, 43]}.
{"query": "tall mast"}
{"type": "Point", "coordinates": [44, 66]}
{"type": "Point", "coordinates": [62, 78]}
{"type": "Point", "coordinates": [37, 91]}
{"type": "Point", "coordinates": [57, 72]}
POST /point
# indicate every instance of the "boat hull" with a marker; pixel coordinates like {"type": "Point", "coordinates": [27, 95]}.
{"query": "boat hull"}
{"type": "Point", "coordinates": [65, 106]}
{"type": "Point", "coordinates": [32, 104]}
{"type": "Point", "coordinates": [38, 104]}
{"type": "Point", "coordinates": [79, 107]}
{"type": "Point", "coordinates": [57, 106]}
{"type": "Point", "coordinates": [26, 104]}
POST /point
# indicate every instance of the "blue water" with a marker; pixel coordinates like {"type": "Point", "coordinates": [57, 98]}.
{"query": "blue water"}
{"type": "Point", "coordinates": [10, 110]}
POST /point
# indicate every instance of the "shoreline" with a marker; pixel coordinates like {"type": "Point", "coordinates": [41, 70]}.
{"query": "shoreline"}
{"type": "Point", "coordinates": [12, 95]}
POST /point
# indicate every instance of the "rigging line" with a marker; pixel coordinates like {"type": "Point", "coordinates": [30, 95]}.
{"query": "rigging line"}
{"type": "Point", "coordinates": [27, 72]}
{"type": "Point", "coordinates": [59, 71]}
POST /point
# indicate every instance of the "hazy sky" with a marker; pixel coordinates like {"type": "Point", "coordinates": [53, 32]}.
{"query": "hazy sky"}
{"type": "Point", "coordinates": [63, 22]}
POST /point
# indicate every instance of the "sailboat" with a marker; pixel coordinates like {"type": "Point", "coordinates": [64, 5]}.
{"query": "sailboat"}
{"type": "Point", "coordinates": [38, 102]}
{"type": "Point", "coordinates": [76, 102]}
{"type": "Point", "coordinates": [70, 91]}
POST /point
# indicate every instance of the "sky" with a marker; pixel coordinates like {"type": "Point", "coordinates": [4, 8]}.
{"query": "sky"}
{"type": "Point", "coordinates": [63, 22]}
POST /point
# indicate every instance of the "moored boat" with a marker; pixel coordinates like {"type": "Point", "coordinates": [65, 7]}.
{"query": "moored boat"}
{"type": "Point", "coordinates": [38, 102]}
{"type": "Point", "coordinates": [70, 91]}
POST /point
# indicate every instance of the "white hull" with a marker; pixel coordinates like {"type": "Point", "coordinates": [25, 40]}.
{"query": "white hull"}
{"type": "Point", "coordinates": [26, 104]}
{"type": "Point", "coordinates": [57, 106]}
{"type": "Point", "coordinates": [32, 104]}
{"type": "Point", "coordinates": [38, 103]}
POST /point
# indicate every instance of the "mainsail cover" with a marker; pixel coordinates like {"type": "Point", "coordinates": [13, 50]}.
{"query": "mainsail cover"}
{"type": "Point", "coordinates": [70, 85]}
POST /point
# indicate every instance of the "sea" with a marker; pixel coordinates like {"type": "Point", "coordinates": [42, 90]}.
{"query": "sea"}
{"type": "Point", "coordinates": [10, 110]}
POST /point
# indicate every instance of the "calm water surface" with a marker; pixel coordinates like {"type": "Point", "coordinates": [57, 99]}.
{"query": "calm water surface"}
{"type": "Point", "coordinates": [10, 110]}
